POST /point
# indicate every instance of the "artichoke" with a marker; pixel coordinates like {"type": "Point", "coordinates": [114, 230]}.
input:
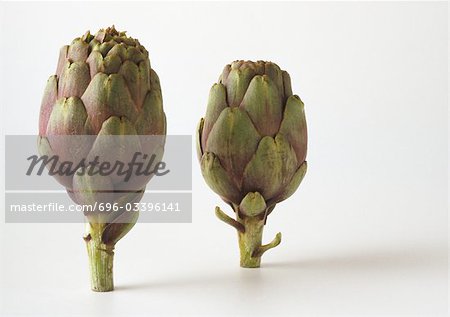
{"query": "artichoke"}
{"type": "Point", "coordinates": [252, 148]}
{"type": "Point", "coordinates": [104, 87]}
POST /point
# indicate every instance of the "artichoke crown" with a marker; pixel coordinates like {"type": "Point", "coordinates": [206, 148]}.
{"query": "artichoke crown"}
{"type": "Point", "coordinates": [104, 84]}
{"type": "Point", "coordinates": [252, 142]}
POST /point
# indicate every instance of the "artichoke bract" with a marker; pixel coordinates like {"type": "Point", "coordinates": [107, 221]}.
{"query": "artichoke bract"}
{"type": "Point", "coordinates": [105, 92]}
{"type": "Point", "coordinates": [252, 148]}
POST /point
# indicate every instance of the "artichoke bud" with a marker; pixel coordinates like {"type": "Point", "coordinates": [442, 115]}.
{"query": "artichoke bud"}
{"type": "Point", "coordinates": [252, 148]}
{"type": "Point", "coordinates": [256, 131]}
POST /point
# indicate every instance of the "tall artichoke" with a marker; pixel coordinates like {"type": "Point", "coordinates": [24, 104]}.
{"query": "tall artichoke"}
{"type": "Point", "coordinates": [103, 86]}
{"type": "Point", "coordinates": [252, 148]}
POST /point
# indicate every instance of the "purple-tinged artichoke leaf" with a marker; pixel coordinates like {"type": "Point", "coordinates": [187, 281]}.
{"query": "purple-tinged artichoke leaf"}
{"type": "Point", "coordinates": [74, 80]}
{"type": "Point", "coordinates": [78, 51]}
{"type": "Point", "coordinates": [62, 60]}
{"type": "Point", "coordinates": [67, 118]}
{"type": "Point", "coordinates": [45, 149]}
{"type": "Point", "coordinates": [224, 76]}
{"type": "Point", "coordinates": [65, 134]}
{"type": "Point", "coordinates": [275, 74]}
{"type": "Point", "coordinates": [48, 101]}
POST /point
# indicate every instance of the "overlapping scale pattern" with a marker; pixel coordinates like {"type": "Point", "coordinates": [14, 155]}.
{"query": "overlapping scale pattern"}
{"type": "Point", "coordinates": [253, 138]}
{"type": "Point", "coordinates": [104, 85]}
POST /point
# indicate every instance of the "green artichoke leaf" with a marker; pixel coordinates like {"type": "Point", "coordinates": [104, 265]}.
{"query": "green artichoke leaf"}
{"type": "Point", "coordinates": [134, 54]}
{"type": "Point", "coordinates": [118, 97]}
{"type": "Point", "coordinates": [234, 140]}
{"type": "Point", "coordinates": [253, 204]}
{"type": "Point", "coordinates": [217, 102]}
{"type": "Point", "coordinates": [287, 85]}
{"type": "Point", "coordinates": [293, 184]}
{"type": "Point", "coordinates": [217, 178]}
{"type": "Point", "coordinates": [271, 168]}
{"type": "Point", "coordinates": [294, 126]}
{"type": "Point", "coordinates": [263, 104]}
{"type": "Point", "coordinates": [198, 139]}
{"type": "Point", "coordinates": [107, 65]}
{"type": "Point", "coordinates": [111, 64]}
{"type": "Point", "coordinates": [152, 118]}
{"type": "Point", "coordinates": [237, 83]}
{"type": "Point", "coordinates": [130, 72]}
{"type": "Point", "coordinates": [106, 47]}
{"type": "Point", "coordinates": [95, 101]}
{"type": "Point", "coordinates": [115, 49]}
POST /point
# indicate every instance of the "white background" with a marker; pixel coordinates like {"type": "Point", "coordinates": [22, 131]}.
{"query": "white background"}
{"type": "Point", "coordinates": [365, 234]}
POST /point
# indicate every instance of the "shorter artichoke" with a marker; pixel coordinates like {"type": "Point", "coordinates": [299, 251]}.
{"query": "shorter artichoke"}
{"type": "Point", "coordinates": [252, 148]}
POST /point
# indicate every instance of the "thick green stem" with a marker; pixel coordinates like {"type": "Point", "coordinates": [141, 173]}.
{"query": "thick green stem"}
{"type": "Point", "coordinates": [250, 242]}
{"type": "Point", "coordinates": [101, 258]}
{"type": "Point", "coordinates": [250, 231]}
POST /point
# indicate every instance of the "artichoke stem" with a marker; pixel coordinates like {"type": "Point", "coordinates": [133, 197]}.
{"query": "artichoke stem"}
{"type": "Point", "coordinates": [100, 261]}
{"type": "Point", "coordinates": [250, 242]}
